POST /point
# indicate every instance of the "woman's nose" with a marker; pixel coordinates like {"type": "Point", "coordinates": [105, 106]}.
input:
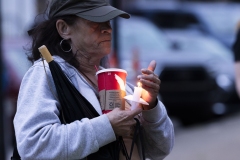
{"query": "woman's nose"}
{"type": "Point", "coordinates": [106, 27]}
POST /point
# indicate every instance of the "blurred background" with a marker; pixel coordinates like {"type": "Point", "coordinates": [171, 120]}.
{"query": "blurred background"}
{"type": "Point", "coordinates": [191, 42]}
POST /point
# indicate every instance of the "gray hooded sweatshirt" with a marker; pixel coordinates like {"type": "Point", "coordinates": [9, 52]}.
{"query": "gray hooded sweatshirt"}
{"type": "Point", "coordinates": [40, 134]}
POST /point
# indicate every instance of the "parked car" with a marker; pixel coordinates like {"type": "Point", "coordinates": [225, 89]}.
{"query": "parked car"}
{"type": "Point", "coordinates": [218, 62]}
{"type": "Point", "coordinates": [216, 19]}
{"type": "Point", "coordinates": [196, 77]}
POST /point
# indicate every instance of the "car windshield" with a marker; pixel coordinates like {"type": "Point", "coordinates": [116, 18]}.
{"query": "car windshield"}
{"type": "Point", "coordinates": [142, 34]}
{"type": "Point", "coordinates": [217, 23]}
{"type": "Point", "coordinates": [222, 19]}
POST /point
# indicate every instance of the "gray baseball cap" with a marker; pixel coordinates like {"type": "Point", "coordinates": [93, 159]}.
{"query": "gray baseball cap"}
{"type": "Point", "coordinates": [92, 10]}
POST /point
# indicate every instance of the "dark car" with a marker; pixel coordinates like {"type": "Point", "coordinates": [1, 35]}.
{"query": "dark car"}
{"type": "Point", "coordinates": [196, 72]}
{"type": "Point", "coordinates": [206, 79]}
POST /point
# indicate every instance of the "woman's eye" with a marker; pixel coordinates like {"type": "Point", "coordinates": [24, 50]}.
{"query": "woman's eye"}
{"type": "Point", "coordinates": [109, 24]}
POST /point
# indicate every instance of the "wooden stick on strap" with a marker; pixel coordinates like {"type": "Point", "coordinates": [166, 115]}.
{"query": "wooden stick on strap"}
{"type": "Point", "coordinates": [45, 53]}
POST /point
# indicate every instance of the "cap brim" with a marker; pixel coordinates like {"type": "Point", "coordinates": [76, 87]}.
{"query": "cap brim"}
{"type": "Point", "coordinates": [103, 14]}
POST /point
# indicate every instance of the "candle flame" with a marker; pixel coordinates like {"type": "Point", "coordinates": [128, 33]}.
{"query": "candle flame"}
{"type": "Point", "coordinates": [139, 84]}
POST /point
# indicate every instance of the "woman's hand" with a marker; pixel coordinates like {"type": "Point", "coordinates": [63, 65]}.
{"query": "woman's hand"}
{"type": "Point", "coordinates": [122, 121]}
{"type": "Point", "coordinates": [151, 85]}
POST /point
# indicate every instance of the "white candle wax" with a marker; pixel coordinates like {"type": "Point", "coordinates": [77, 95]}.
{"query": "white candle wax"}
{"type": "Point", "coordinates": [137, 93]}
{"type": "Point", "coordinates": [136, 96]}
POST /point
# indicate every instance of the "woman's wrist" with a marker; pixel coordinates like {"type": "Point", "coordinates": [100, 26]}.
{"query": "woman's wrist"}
{"type": "Point", "coordinates": [150, 106]}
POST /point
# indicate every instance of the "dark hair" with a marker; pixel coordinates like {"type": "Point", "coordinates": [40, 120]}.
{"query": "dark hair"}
{"type": "Point", "coordinates": [45, 33]}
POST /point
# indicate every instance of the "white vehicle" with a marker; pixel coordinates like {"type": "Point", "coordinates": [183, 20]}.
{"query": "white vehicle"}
{"type": "Point", "coordinates": [196, 71]}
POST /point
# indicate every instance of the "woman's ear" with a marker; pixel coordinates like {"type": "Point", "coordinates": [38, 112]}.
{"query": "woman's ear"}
{"type": "Point", "coordinates": [63, 29]}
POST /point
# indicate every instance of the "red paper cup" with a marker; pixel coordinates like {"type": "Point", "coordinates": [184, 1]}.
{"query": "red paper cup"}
{"type": "Point", "coordinates": [110, 91]}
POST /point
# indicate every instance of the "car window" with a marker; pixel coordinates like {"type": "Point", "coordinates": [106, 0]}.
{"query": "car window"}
{"type": "Point", "coordinates": [175, 20]}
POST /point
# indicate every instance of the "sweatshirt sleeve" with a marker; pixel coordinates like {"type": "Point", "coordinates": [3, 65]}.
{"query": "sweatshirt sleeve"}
{"type": "Point", "coordinates": [39, 132]}
{"type": "Point", "coordinates": [158, 132]}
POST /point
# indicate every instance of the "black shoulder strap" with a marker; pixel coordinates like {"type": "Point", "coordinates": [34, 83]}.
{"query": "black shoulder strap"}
{"type": "Point", "coordinates": [15, 155]}
{"type": "Point", "coordinates": [137, 132]}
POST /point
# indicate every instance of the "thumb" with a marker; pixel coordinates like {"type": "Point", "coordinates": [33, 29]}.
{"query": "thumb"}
{"type": "Point", "coordinates": [134, 112]}
{"type": "Point", "coordinates": [152, 65]}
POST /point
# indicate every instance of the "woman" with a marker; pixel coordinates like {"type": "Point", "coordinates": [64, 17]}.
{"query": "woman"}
{"type": "Point", "coordinates": [78, 34]}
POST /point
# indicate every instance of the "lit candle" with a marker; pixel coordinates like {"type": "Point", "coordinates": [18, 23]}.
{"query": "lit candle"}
{"type": "Point", "coordinates": [135, 99]}
{"type": "Point", "coordinates": [136, 96]}
{"type": "Point", "coordinates": [137, 92]}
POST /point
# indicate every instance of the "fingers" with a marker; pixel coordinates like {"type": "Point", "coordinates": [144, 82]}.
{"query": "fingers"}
{"type": "Point", "coordinates": [152, 65]}
{"type": "Point", "coordinates": [126, 114]}
{"type": "Point", "coordinates": [150, 85]}
{"type": "Point", "coordinates": [149, 78]}
{"type": "Point", "coordinates": [148, 73]}
{"type": "Point", "coordinates": [133, 113]}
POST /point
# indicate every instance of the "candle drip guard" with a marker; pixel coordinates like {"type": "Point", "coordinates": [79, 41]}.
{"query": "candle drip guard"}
{"type": "Point", "coordinates": [136, 99]}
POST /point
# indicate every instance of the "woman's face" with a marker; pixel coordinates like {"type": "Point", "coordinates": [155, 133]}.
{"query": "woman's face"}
{"type": "Point", "coordinates": [91, 38]}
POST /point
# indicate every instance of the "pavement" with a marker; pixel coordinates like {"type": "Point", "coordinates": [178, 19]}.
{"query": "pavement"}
{"type": "Point", "coordinates": [216, 140]}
